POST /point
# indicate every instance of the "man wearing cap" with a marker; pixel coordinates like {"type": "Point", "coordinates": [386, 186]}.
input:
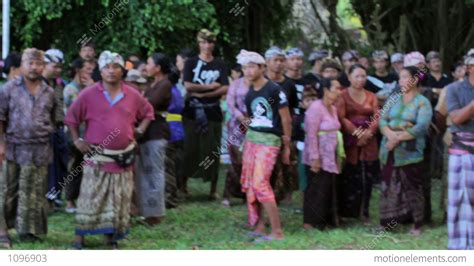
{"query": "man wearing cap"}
{"type": "Point", "coordinates": [205, 79]}
{"type": "Point", "coordinates": [54, 60]}
{"type": "Point", "coordinates": [460, 102]}
{"type": "Point", "coordinates": [331, 69]}
{"type": "Point", "coordinates": [436, 79]}
{"type": "Point", "coordinates": [316, 61]}
{"type": "Point", "coordinates": [275, 60]}
{"type": "Point", "coordinates": [136, 80]}
{"type": "Point", "coordinates": [110, 109]}
{"type": "Point", "coordinates": [380, 64]}
{"type": "Point", "coordinates": [294, 71]}
{"type": "Point", "coordinates": [396, 60]}
{"type": "Point", "coordinates": [350, 58]}
{"type": "Point", "coordinates": [434, 82]}
{"type": "Point", "coordinates": [27, 119]}
{"type": "Point", "coordinates": [269, 128]}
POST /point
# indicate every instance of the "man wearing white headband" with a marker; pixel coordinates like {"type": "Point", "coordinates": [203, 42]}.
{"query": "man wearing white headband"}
{"type": "Point", "coordinates": [316, 62]}
{"type": "Point", "coordinates": [294, 71]}
{"type": "Point", "coordinates": [276, 60]}
{"type": "Point", "coordinates": [110, 110]}
{"type": "Point", "coordinates": [460, 102]}
{"type": "Point", "coordinates": [269, 129]}
{"type": "Point", "coordinates": [54, 60]}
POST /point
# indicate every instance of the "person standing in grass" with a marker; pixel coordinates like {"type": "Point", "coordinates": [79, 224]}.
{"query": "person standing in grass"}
{"type": "Point", "coordinates": [110, 109]}
{"type": "Point", "coordinates": [275, 71]}
{"type": "Point", "coordinates": [357, 108]}
{"type": "Point", "coordinates": [27, 120]}
{"type": "Point", "coordinates": [206, 80]}
{"type": "Point", "coordinates": [323, 147]}
{"type": "Point", "coordinates": [460, 102]}
{"type": "Point", "coordinates": [404, 125]}
{"type": "Point", "coordinates": [82, 77]}
{"type": "Point", "coordinates": [270, 126]}
{"type": "Point", "coordinates": [236, 129]}
{"type": "Point", "coordinates": [151, 161]}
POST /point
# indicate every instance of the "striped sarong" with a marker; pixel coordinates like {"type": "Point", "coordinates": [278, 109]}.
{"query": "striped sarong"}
{"type": "Point", "coordinates": [461, 201]}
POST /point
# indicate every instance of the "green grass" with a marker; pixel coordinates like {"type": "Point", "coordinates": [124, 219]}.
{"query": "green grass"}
{"type": "Point", "coordinates": [200, 224]}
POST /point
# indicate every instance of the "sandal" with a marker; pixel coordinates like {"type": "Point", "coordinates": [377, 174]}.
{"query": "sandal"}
{"type": "Point", "coordinates": [5, 242]}
{"type": "Point", "coordinates": [268, 238]}
{"type": "Point", "coordinates": [254, 234]}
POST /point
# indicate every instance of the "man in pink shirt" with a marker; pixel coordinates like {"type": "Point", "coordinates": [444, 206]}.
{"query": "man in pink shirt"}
{"type": "Point", "coordinates": [110, 110]}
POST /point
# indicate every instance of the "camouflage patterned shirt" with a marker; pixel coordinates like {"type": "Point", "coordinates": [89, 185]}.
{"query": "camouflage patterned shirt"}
{"type": "Point", "coordinates": [30, 120]}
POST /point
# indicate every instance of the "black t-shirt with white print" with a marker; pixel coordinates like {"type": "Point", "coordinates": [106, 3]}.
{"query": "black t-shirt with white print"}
{"type": "Point", "coordinates": [288, 87]}
{"type": "Point", "coordinates": [201, 72]}
{"type": "Point", "coordinates": [299, 87]}
{"type": "Point", "coordinates": [263, 108]}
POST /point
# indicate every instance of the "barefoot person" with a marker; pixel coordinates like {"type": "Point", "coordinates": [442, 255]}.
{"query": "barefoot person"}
{"type": "Point", "coordinates": [151, 161]}
{"type": "Point", "coordinates": [460, 101]}
{"type": "Point", "coordinates": [27, 119]}
{"type": "Point", "coordinates": [404, 125]}
{"type": "Point", "coordinates": [270, 124]}
{"type": "Point", "coordinates": [356, 108]}
{"type": "Point", "coordinates": [109, 109]}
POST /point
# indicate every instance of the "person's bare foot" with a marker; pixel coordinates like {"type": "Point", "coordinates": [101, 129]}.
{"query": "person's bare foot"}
{"type": "Point", "coordinates": [226, 203]}
{"type": "Point", "coordinates": [308, 226]}
{"type": "Point", "coordinates": [276, 236]}
{"type": "Point", "coordinates": [152, 221]}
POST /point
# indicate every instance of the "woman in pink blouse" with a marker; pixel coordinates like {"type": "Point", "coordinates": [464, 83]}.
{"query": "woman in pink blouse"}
{"type": "Point", "coordinates": [320, 157]}
{"type": "Point", "coordinates": [236, 133]}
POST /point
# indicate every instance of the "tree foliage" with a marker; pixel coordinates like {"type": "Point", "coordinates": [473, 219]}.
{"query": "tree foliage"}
{"type": "Point", "coordinates": [144, 26]}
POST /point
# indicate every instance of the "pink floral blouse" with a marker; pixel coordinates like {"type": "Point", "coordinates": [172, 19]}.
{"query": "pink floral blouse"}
{"type": "Point", "coordinates": [321, 146]}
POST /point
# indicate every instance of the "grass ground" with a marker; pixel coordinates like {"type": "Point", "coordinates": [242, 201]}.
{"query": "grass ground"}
{"type": "Point", "coordinates": [200, 224]}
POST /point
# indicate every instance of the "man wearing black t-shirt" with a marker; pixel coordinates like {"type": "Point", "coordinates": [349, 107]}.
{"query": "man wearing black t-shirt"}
{"type": "Point", "coordinates": [268, 130]}
{"type": "Point", "coordinates": [294, 71]}
{"type": "Point", "coordinates": [275, 59]}
{"type": "Point", "coordinates": [350, 58]}
{"type": "Point", "coordinates": [205, 79]}
{"type": "Point", "coordinates": [436, 79]}
{"type": "Point", "coordinates": [316, 61]}
{"type": "Point", "coordinates": [380, 63]}
{"type": "Point", "coordinates": [282, 176]}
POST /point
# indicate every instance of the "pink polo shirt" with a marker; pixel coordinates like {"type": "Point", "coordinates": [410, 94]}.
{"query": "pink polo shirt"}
{"type": "Point", "coordinates": [109, 124]}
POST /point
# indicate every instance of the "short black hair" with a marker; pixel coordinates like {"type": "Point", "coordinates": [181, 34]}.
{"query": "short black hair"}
{"type": "Point", "coordinates": [186, 53]}
{"type": "Point", "coordinates": [160, 59]}
{"type": "Point", "coordinates": [12, 60]}
{"type": "Point", "coordinates": [76, 65]}
{"type": "Point", "coordinates": [325, 84]}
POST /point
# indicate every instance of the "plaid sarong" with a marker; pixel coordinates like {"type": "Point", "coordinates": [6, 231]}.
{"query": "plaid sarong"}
{"type": "Point", "coordinates": [461, 201]}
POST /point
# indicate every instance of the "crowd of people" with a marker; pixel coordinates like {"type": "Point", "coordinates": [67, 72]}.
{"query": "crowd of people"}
{"type": "Point", "coordinates": [121, 138]}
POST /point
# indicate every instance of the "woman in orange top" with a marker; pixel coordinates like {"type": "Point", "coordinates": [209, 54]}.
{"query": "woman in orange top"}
{"type": "Point", "coordinates": [358, 113]}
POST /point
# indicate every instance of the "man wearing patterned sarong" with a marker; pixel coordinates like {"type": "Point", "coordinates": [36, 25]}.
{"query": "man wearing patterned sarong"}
{"type": "Point", "coordinates": [27, 119]}
{"type": "Point", "coordinates": [270, 126]}
{"type": "Point", "coordinates": [110, 110]}
{"type": "Point", "coordinates": [460, 102]}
